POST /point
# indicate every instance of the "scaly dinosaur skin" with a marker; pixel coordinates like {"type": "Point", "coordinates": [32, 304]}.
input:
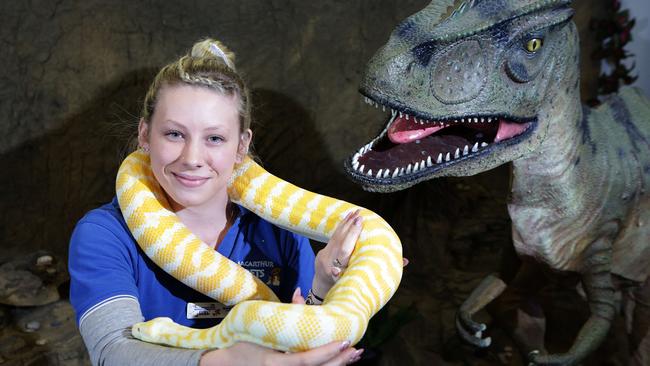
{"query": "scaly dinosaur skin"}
{"type": "Point", "coordinates": [497, 81]}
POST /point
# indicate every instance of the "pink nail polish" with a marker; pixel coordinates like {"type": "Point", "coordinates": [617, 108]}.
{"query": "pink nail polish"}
{"type": "Point", "coordinates": [356, 356]}
{"type": "Point", "coordinates": [344, 346]}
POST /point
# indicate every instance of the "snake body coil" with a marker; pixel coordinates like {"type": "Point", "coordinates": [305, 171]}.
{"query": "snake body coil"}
{"type": "Point", "coordinates": [371, 279]}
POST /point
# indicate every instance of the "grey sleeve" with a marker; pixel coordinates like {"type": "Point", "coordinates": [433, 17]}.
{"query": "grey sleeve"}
{"type": "Point", "coordinates": [106, 331]}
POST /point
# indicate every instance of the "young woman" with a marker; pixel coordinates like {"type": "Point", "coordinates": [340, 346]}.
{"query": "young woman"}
{"type": "Point", "coordinates": [195, 126]}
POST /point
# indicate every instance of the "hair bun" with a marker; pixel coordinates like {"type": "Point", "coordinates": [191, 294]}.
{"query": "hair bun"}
{"type": "Point", "coordinates": [214, 49]}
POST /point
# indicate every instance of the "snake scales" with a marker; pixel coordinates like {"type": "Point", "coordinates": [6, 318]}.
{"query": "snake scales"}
{"type": "Point", "coordinates": [371, 279]}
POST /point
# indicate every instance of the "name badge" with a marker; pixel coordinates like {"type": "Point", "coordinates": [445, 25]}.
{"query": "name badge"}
{"type": "Point", "coordinates": [207, 310]}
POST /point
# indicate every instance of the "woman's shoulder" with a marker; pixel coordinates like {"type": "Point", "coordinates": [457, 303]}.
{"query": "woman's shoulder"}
{"type": "Point", "coordinates": [106, 215]}
{"type": "Point", "coordinates": [102, 223]}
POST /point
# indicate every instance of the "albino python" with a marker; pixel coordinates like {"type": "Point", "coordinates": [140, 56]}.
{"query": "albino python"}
{"type": "Point", "coordinates": [372, 277]}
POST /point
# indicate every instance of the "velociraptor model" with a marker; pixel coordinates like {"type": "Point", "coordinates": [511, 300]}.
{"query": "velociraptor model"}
{"type": "Point", "coordinates": [497, 81]}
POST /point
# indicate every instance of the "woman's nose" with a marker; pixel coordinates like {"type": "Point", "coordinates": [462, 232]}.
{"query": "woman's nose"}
{"type": "Point", "coordinates": [192, 154]}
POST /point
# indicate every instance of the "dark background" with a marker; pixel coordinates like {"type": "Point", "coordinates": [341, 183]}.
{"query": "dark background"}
{"type": "Point", "coordinates": [73, 75]}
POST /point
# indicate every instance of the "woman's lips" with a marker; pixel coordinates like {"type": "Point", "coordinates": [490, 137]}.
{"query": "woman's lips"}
{"type": "Point", "coordinates": [189, 180]}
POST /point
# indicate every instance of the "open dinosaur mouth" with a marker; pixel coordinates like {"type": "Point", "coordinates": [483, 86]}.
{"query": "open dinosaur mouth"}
{"type": "Point", "coordinates": [413, 145]}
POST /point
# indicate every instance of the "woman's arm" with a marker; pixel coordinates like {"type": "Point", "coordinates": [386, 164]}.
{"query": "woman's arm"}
{"type": "Point", "coordinates": [246, 354]}
{"type": "Point", "coordinates": [106, 331]}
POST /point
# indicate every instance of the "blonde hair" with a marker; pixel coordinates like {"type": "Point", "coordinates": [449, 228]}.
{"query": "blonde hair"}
{"type": "Point", "coordinates": [209, 64]}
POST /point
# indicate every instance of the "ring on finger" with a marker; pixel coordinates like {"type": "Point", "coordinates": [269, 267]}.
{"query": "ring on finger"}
{"type": "Point", "coordinates": [337, 263]}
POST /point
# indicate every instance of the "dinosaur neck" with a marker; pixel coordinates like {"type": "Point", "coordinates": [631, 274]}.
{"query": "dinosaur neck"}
{"type": "Point", "coordinates": [547, 176]}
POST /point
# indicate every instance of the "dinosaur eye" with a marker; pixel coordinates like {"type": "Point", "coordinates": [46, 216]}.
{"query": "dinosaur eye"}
{"type": "Point", "coordinates": [534, 44]}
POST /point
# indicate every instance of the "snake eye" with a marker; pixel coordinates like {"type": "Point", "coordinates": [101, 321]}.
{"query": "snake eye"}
{"type": "Point", "coordinates": [534, 44]}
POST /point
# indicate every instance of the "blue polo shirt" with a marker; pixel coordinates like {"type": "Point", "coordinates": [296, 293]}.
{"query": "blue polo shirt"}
{"type": "Point", "coordinates": [105, 262]}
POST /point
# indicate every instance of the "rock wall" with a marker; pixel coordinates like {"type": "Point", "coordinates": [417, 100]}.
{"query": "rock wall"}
{"type": "Point", "coordinates": [73, 74]}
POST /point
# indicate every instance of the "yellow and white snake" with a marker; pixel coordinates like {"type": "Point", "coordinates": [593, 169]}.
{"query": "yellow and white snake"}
{"type": "Point", "coordinates": [372, 277]}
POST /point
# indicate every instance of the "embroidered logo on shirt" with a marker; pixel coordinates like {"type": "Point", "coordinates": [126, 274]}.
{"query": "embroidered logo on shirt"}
{"type": "Point", "coordinates": [274, 278]}
{"type": "Point", "coordinates": [206, 310]}
{"type": "Point", "coordinates": [265, 270]}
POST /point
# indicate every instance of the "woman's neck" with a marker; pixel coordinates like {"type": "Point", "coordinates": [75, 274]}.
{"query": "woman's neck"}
{"type": "Point", "coordinates": [209, 222]}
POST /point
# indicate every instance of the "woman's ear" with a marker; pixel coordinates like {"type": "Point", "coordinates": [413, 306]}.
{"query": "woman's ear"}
{"type": "Point", "coordinates": [245, 139]}
{"type": "Point", "coordinates": [143, 134]}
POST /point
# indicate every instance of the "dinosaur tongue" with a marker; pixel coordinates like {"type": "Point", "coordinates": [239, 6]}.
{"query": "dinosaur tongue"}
{"type": "Point", "coordinates": [508, 130]}
{"type": "Point", "coordinates": [403, 131]}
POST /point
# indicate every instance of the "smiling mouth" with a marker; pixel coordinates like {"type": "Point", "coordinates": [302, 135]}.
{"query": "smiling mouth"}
{"type": "Point", "coordinates": [414, 145]}
{"type": "Point", "coordinates": [189, 181]}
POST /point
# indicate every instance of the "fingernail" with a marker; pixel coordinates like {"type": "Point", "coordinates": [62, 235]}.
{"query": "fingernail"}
{"type": "Point", "coordinates": [405, 262]}
{"type": "Point", "coordinates": [296, 292]}
{"type": "Point", "coordinates": [356, 356]}
{"type": "Point", "coordinates": [344, 345]}
{"type": "Point", "coordinates": [336, 271]}
{"type": "Point", "coordinates": [358, 220]}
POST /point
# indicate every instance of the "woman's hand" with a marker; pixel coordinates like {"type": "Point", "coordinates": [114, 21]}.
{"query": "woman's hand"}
{"type": "Point", "coordinates": [247, 354]}
{"type": "Point", "coordinates": [332, 260]}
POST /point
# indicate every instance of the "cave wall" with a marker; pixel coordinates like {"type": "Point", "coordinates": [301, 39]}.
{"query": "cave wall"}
{"type": "Point", "coordinates": [73, 74]}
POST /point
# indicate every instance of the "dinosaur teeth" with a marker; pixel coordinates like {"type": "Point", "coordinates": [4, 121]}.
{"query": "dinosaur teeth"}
{"type": "Point", "coordinates": [483, 144]}
{"type": "Point", "coordinates": [447, 157]}
{"type": "Point", "coordinates": [395, 172]}
{"type": "Point", "coordinates": [355, 166]}
{"type": "Point", "coordinates": [393, 113]}
{"type": "Point", "coordinates": [408, 169]}
{"type": "Point", "coordinates": [475, 147]}
{"type": "Point", "coordinates": [466, 150]}
{"type": "Point", "coordinates": [361, 169]}
{"type": "Point", "coordinates": [457, 153]}
{"type": "Point", "coordinates": [439, 161]}
{"type": "Point", "coordinates": [369, 172]}
{"type": "Point", "coordinates": [429, 162]}
{"type": "Point", "coordinates": [379, 173]}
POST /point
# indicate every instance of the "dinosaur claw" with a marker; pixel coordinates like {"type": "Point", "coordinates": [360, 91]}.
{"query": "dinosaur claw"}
{"type": "Point", "coordinates": [486, 342]}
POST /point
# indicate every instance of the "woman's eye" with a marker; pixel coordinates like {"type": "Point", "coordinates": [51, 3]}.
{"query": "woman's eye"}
{"type": "Point", "coordinates": [173, 134]}
{"type": "Point", "coordinates": [533, 45]}
{"type": "Point", "coordinates": [215, 139]}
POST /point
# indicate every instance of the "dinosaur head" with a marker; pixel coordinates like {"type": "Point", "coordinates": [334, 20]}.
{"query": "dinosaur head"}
{"type": "Point", "coordinates": [465, 90]}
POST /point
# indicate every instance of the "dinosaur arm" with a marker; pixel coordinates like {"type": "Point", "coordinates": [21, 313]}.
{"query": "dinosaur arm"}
{"type": "Point", "coordinates": [489, 289]}
{"type": "Point", "coordinates": [597, 282]}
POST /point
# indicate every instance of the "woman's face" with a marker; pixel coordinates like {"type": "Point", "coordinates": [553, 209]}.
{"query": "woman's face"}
{"type": "Point", "coordinates": [194, 141]}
